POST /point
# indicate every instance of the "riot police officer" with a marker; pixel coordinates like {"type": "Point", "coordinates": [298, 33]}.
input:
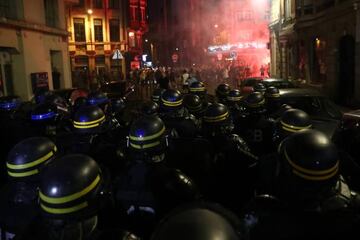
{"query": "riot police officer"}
{"type": "Point", "coordinates": [198, 88]}
{"type": "Point", "coordinates": [307, 197]}
{"type": "Point", "coordinates": [222, 92]}
{"type": "Point", "coordinates": [291, 121]}
{"type": "Point", "coordinates": [256, 128]}
{"type": "Point", "coordinates": [273, 103]}
{"type": "Point", "coordinates": [94, 135]}
{"type": "Point", "coordinates": [47, 120]}
{"type": "Point", "coordinates": [230, 159]}
{"type": "Point", "coordinates": [75, 201]}
{"type": "Point", "coordinates": [147, 188]}
{"type": "Point", "coordinates": [177, 119]}
{"type": "Point", "coordinates": [235, 106]}
{"type": "Point", "coordinates": [18, 200]}
{"type": "Point", "coordinates": [194, 105]}
{"type": "Point", "coordinates": [150, 108]}
{"type": "Point", "coordinates": [259, 87]}
{"type": "Point", "coordinates": [99, 99]}
{"type": "Point", "coordinates": [199, 221]}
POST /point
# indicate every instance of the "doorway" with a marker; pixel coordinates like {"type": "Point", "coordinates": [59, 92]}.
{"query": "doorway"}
{"type": "Point", "coordinates": [346, 66]}
{"type": "Point", "coordinates": [57, 69]}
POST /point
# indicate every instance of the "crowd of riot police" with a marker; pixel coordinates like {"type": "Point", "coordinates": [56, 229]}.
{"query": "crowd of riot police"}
{"type": "Point", "coordinates": [184, 166]}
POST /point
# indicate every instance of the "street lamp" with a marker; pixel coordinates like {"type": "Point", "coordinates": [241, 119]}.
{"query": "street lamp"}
{"type": "Point", "coordinates": [90, 11]}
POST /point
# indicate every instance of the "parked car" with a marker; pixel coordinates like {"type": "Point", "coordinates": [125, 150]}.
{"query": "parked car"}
{"type": "Point", "coordinates": [325, 114]}
{"type": "Point", "coordinates": [278, 83]}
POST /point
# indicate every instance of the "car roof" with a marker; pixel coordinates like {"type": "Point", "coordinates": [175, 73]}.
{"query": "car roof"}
{"type": "Point", "coordinates": [299, 92]}
{"type": "Point", "coordinates": [275, 80]}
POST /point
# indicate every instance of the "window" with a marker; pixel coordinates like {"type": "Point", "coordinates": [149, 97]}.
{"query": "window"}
{"type": "Point", "coordinates": [80, 4]}
{"type": "Point", "coordinates": [51, 13]}
{"type": "Point", "coordinates": [114, 30]}
{"type": "Point", "coordinates": [97, 3]}
{"type": "Point", "coordinates": [8, 9]}
{"type": "Point", "coordinates": [79, 29]}
{"type": "Point", "coordinates": [100, 60]}
{"type": "Point", "coordinates": [142, 9]}
{"type": "Point", "coordinates": [98, 30]}
{"type": "Point", "coordinates": [245, 15]}
{"type": "Point", "coordinates": [114, 4]}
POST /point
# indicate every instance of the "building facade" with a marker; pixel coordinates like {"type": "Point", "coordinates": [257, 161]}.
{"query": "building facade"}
{"type": "Point", "coordinates": [317, 42]}
{"type": "Point", "coordinates": [33, 46]}
{"type": "Point", "coordinates": [97, 29]}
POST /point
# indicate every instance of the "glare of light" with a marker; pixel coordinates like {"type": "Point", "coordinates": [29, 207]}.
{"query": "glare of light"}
{"type": "Point", "coordinates": [216, 26]}
{"type": "Point", "coordinates": [317, 41]}
{"type": "Point", "coordinates": [54, 190]}
{"type": "Point", "coordinates": [90, 11]}
{"type": "Point", "coordinates": [131, 34]}
{"type": "Point", "coordinates": [146, 40]}
{"type": "Point", "coordinates": [177, 49]}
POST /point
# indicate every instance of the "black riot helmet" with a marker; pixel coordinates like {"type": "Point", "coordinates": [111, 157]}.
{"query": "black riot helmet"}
{"type": "Point", "coordinates": [234, 96]}
{"type": "Point", "coordinates": [171, 100]}
{"type": "Point", "coordinates": [259, 87]}
{"type": "Point", "coordinates": [198, 221]}
{"type": "Point", "coordinates": [117, 106]}
{"type": "Point", "coordinates": [197, 88]}
{"type": "Point", "coordinates": [222, 92]}
{"type": "Point", "coordinates": [150, 108]}
{"type": "Point", "coordinates": [147, 136]}
{"type": "Point", "coordinates": [71, 189]}
{"type": "Point", "coordinates": [255, 102]}
{"type": "Point", "coordinates": [272, 93]}
{"type": "Point", "coordinates": [293, 120]}
{"type": "Point", "coordinates": [98, 98]}
{"type": "Point", "coordinates": [216, 120]}
{"type": "Point", "coordinates": [88, 119]}
{"type": "Point", "coordinates": [28, 157]}
{"type": "Point", "coordinates": [9, 103]}
{"type": "Point", "coordinates": [44, 113]}
{"type": "Point", "coordinates": [156, 96]}
{"type": "Point", "coordinates": [194, 104]}
{"type": "Point", "coordinates": [309, 161]}
{"type": "Point", "coordinates": [41, 95]}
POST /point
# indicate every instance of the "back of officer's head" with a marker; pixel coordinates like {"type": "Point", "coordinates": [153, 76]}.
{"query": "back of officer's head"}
{"type": "Point", "coordinates": [198, 222]}
{"type": "Point", "coordinates": [171, 101]}
{"type": "Point", "coordinates": [309, 162]}
{"type": "Point", "coordinates": [292, 121]}
{"type": "Point", "coordinates": [147, 140]}
{"type": "Point", "coordinates": [70, 196]}
{"type": "Point", "coordinates": [25, 161]}
{"type": "Point", "coordinates": [216, 120]}
{"type": "Point", "coordinates": [88, 120]}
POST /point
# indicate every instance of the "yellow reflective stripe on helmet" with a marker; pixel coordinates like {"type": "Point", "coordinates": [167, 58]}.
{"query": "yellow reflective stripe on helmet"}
{"type": "Point", "coordinates": [172, 104]}
{"type": "Point", "coordinates": [150, 145]}
{"type": "Point", "coordinates": [64, 210]}
{"type": "Point", "coordinates": [32, 164]}
{"type": "Point", "coordinates": [256, 104]}
{"type": "Point", "coordinates": [311, 172]}
{"type": "Point", "coordinates": [24, 174]}
{"type": "Point", "coordinates": [295, 127]}
{"type": "Point", "coordinates": [84, 127]}
{"type": "Point", "coordinates": [275, 95]}
{"type": "Point", "coordinates": [315, 178]}
{"type": "Point", "coordinates": [217, 118]}
{"type": "Point", "coordinates": [90, 123]}
{"type": "Point", "coordinates": [60, 200]}
{"type": "Point", "coordinates": [200, 89]}
{"type": "Point", "coordinates": [156, 135]}
{"type": "Point", "coordinates": [234, 98]}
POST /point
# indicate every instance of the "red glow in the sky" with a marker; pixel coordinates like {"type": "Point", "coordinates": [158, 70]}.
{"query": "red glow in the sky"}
{"type": "Point", "coordinates": [242, 28]}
